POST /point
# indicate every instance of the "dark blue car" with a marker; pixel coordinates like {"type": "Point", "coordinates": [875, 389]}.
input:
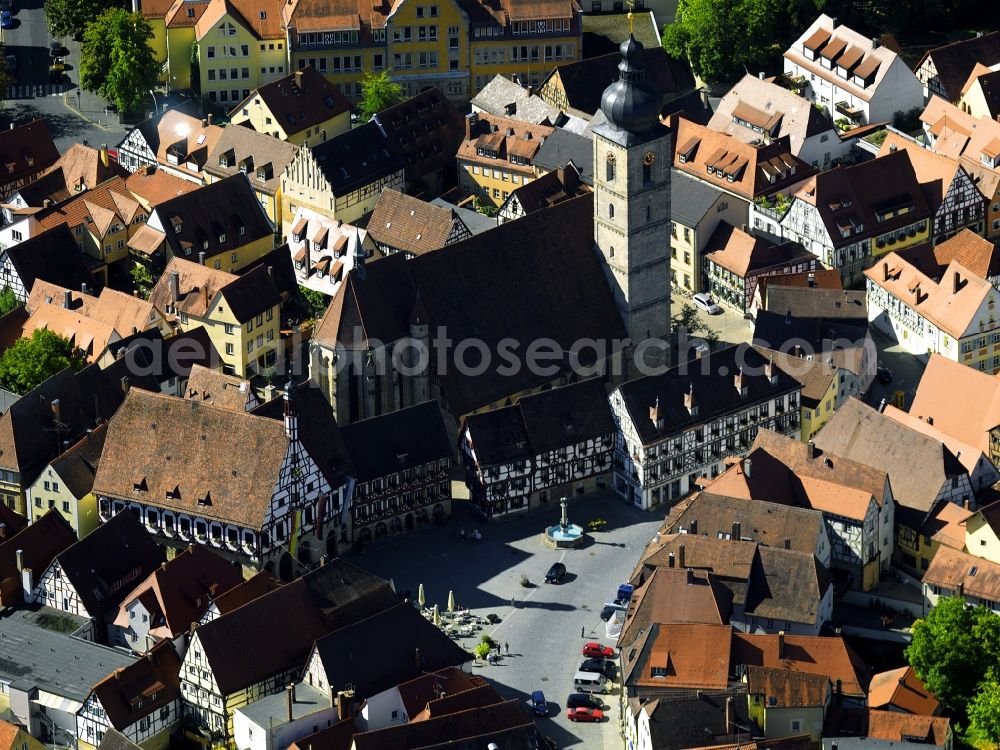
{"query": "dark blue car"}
{"type": "Point", "coordinates": [538, 703]}
{"type": "Point", "coordinates": [6, 20]}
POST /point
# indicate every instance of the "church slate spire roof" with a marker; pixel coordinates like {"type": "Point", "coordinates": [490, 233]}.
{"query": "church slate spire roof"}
{"type": "Point", "coordinates": [630, 104]}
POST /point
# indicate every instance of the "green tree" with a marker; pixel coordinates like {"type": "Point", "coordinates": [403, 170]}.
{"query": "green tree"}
{"type": "Point", "coordinates": [984, 712]}
{"type": "Point", "coordinates": [722, 38]}
{"type": "Point", "coordinates": [315, 302]}
{"type": "Point", "coordinates": [32, 360]}
{"type": "Point", "coordinates": [116, 61]}
{"type": "Point", "coordinates": [8, 301]}
{"type": "Point", "coordinates": [688, 322]}
{"type": "Point", "coordinates": [951, 651]}
{"type": "Point", "coordinates": [70, 17]}
{"type": "Point", "coordinates": [378, 92]}
{"type": "Point", "coordinates": [142, 280]}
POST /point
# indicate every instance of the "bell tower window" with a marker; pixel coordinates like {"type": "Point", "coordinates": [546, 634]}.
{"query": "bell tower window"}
{"type": "Point", "coordinates": [610, 167]}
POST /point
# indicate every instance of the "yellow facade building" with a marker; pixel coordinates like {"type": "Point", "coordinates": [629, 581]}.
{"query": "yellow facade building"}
{"type": "Point", "coordinates": [496, 156]}
{"type": "Point", "coordinates": [66, 484]}
{"type": "Point", "coordinates": [240, 313]}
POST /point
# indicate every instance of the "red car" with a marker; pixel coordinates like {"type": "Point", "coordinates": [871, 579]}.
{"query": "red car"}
{"type": "Point", "coordinates": [584, 714]}
{"type": "Point", "coordinates": [596, 649]}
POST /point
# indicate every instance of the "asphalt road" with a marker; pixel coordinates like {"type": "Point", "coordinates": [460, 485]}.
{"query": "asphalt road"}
{"type": "Point", "coordinates": [31, 95]}
{"type": "Point", "coordinates": [543, 626]}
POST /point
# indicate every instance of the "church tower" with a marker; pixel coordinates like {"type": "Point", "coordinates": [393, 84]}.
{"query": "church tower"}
{"type": "Point", "coordinates": [632, 201]}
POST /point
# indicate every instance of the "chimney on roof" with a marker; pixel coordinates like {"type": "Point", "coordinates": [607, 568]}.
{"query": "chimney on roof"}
{"type": "Point", "coordinates": [471, 123]}
{"type": "Point", "coordinates": [27, 584]}
{"type": "Point", "coordinates": [729, 715]}
{"type": "Point", "coordinates": [298, 80]}
{"type": "Point", "coordinates": [881, 406]}
{"type": "Point", "coordinates": [55, 409]}
{"type": "Point", "coordinates": [201, 257]}
{"type": "Point", "coordinates": [690, 576]}
{"type": "Point", "coordinates": [788, 542]}
{"type": "Point", "coordinates": [885, 272]}
{"type": "Point", "coordinates": [771, 371]}
{"type": "Point", "coordinates": [760, 75]}
{"type": "Point", "coordinates": [694, 525]}
{"type": "Point", "coordinates": [930, 420]}
{"type": "Point", "coordinates": [12, 126]}
{"type": "Point", "coordinates": [46, 203]}
{"type": "Point", "coordinates": [811, 450]}
{"type": "Point", "coordinates": [125, 384]}
{"type": "Point", "coordinates": [689, 401]}
{"type": "Point", "coordinates": [747, 463]}
{"type": "Point", "coordinates": [209, 118]}
{"type": "Point", "coordinates": [270, 272]}
{"type": "Point", "coordinates": [19, 556]}
{"type": "Point", "coordinates": [104, 155]}
{"type": "Point", "coordinates": [83, 288]}
{"type": "Point", "coordinates": [834, 22]}
{"type": "Point", "coordinates": [956, 283]}
{"type": "Point", "coordinates": [680, 555]}
{"type": "Point", "coordinates": [290, 699]}
{"type": "Point", "coordinates": [736, 531]}
{"type": "Point", "coordinates": [655, 415]}
{"type": "Point", "coordinates": [892, 148]}
{"type": "Point", "coordinates": [417, 658]}
{"type": "Point", "coordinates": [739, 380]}
{"type": "Point", "coordinates": [670, 560]}
{"type": "Point", "coordinates": [875, 42]}
{"type": "Point", "coordinates": [149, 169]}
{"type": "Point", "coordinates": [67, 299]}
{"type": "Point", "coordinates": [204, 122]}
{"type": "Point", "coordinates": [781, 644]}
{"type": "Point", "coordinates": [175, 286]}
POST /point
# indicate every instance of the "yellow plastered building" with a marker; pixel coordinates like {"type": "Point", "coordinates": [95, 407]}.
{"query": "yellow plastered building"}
{"type": "Point", "coordinates": [66, 484]}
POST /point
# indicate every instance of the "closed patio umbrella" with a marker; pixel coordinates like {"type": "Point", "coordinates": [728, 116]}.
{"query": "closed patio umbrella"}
{"type": "Point", "coordinates": [451, 601]}
{"type": "Point", "coordinates": [420, 596]}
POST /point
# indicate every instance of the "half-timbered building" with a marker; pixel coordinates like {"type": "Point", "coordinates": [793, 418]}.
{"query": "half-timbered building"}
{"type": "Point", "coordinates": [142, 701]}
{"type": "Point", "coordinates": [681, 425]}
{"type": "Point", "coordinates": [403, 224]}
{"type": "Point", "coordinates": [29, 552]}
{"type": "Point", "coordinates": [545, 446]}
{"type": "Point", "coordinates": [401, 464]}
{"type": "Point", "coordinates": [27, 151]}
{"type": "Point", "coordinates": [90, 578]}
{"type": "Point", "coordinates": [232, 661]}
{"type": "Point", "coordinates": [173, 462]}
{"type": "Point", "coordinates": [52, 255]}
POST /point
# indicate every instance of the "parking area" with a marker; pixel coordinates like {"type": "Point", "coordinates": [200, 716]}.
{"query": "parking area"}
{"type": "Point", "coordinates": [731, 326]}
{"type": "Point", "coordinates": [545, 625]}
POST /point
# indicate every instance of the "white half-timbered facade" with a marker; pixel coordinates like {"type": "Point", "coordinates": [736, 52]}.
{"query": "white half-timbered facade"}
{"type": "Point", "coordinates": [553, 444]}
{"type": "Point", "coordinates": [151, 731]}
{"type": "Point", "coordinates": [267, 511]}
{"type": "Point", "coordinates": [55, 590]}
{"type": "Point", "coordinates": [680, 426]}
{"type": "Point", "coordinates": [134, 152]}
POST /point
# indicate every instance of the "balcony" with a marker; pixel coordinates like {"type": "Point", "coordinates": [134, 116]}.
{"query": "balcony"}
{"type": "Point", "coordinates": [849, 111]}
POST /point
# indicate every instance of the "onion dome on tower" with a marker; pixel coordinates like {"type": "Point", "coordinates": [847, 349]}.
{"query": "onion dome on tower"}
{"type": "Point", "coordinates": [630, 104]}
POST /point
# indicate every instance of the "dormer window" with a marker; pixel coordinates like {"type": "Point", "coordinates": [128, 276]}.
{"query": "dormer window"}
{"type": "Point", "coordinates": [222, 238]}
{"type": "Point", "coordinates": [991, 161]}
{"type": "Point", "coordinates": [204, 244]}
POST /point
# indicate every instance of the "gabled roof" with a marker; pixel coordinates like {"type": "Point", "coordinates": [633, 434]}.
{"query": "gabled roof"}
{"type": "Point", "coordinates": [672, 595]}
{"type": "Point", "coordinates": [152, 186]}
{"type": "Point", "coordinates": [262, 19]}
{"type": "Point", "coordinates": [901, 690]}
{"type": "Point", "coordinates": [410, 224]}
{"type": "Point", "coordinates": [216, 219]}
{"type": "Point", "coordinates": [26, 150]}
{"type": "Point", "coordinates": [562, 147]}
{"type": "Point", "coordinates": [239, 645]}
{"type": "Point", "coordinates": [418, 692]}
{"type": "Point", "coordinates": [104, 565]}
{"type": "Point", "coordinates": [11, 523]}
{"type": "Point", "coordinates": [714, 394]}
{"type": "Point", "coordinates": [198, 286]}
{"type": "Point", "coordinates": [353, 159]}
{"type": "Point", "coordinates": [77, 466]}
{"type": "Point", "coordinates": [935, 172]}
{"type": "Point", "coordinates": [963, 573]}
{"type": "Point", "coordinates": [170, 357]}
{"type": "Point", "coordinates": [79, 168]}
{"type": "Point", "coordinates": [757, 103]}
{"type": "Point", "coordinates": [918, 465]}
{"type": "Point", "coordinates": [745, 252]}
{"type": "Point", "coordinates": [39, 543]}
{"type": "Point", "coordinates": [392, 646]}
{"type": "Point", "coordinates": [555, 187]}
{"type": "Point", "coordinates": [754, 170]}
{"type": "Point", "coordinates": [182, 137]}
{"type": "Point", "coordinates": [146, 685]}
{"type": "Point", "coordinates": [124, 313]}
{"type": "Point", "coordinates": [954, 62]}
{"type": "Point", "coordinates": [970, 457]}
{"type": "Point", "coordinates": [219, 389]}
{"type": "Point", "coordinates": [503, 136]}
{"type": "Point", "coordinates": [52, 255]}
{"type": "Point", "coordinates": [263, 157]}
{"type": "Point", "coordinates": [424, 132]}
{"type": "Point", "coordinates": [975, 253]}
{"type": "Point", "coordinates": [300, 101]}
{"type": "Point", "coordinates": [683, 721]}
{"type": "Point", "coordinates": [543, 421]}
{"type": "Point", "coordinates": [502, 96]}
{"type": "Point", "coordinates": [694, 656]}
{"type": "Point", "coordinates": [243, 593]}
{"type": "Point", "coordinates": [181, 590]}
{"type": "Point", "coordinates": [815, 375]}
{"type": "Point", "coordinates": [113, 739]}
{"type": "Point", "coordinates": [900, 727]}
{"type": "Point", "coordinates": [89, 337]}
{"type": "Point", "coordinates": [199, 475]}
{"type": "Point", "coordinates": [397, 441]}
{"type": "Point", "coordinates": [828, 656]}
{"type": "Point", "coordinates": [786, 688]}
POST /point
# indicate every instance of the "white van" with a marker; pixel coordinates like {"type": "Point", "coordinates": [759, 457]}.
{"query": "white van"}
{"type": "Point", "coordinates": [590, 682]}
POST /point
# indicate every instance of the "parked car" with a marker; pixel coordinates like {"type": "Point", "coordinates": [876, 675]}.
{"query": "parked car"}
{"type": "Point", "coordinates": [556, 572]}
{"type": "Point", "coordinates": [56, 49]}
{"type": "Point", "coordinates": [609, 609]}
{"type": "Point", "coordinates": [584, 714]}
{"type": "Point", "coordinates": [704, 301]}
{"type": "Point", "coordinates": [539, 705]}
{"type": "Point", "coordinates": [582, 700]}
{"type": "Point", "coordinates": [58, 65]}
{"type": "Point", "coordinates": [605, 667]}
{"type": "Point", "coordinates": [597, 649]}
{"type": "Point", "coordinates": [6, 20]}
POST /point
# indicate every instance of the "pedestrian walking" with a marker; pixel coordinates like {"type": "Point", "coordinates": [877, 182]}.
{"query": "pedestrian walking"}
{"type": "Point", "coordinates": [506, 648]}
{"type": "Point", "coordinates": [462, 534]}
{"type": "Point", "coordinates": [582, 631]}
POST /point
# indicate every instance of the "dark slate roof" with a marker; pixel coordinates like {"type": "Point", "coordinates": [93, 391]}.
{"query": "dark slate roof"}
{"type": "Point", "coordinates": [109, 562]}
{"type": "Point", "coordinates": [954, 62]}
{"type": "Point", "coordinates": [396, 441]}
{"type": "Point", "coordinates": [278, 263]}
{"type": "Point", "coordinates": [694, 722]}
{"type": "Point", "coordinates": [774, 330]}
{"type": "Point", "coordinates": [220, 208]}
{"type": "Point", "coordinates": [424, 132]}
{"type": "Point", "coordinates": [239, 645]}
{"type": "Point", "coordinates": [28, 147]}
{"type": "Point", "coordinates": [251, 294]}
{"type": "Point", "coordinates": [171, 357]}
{"type": "Point", "coordinates": [543, 422]}
{"type": "Point", "coordinates": [523, 280]}
{"type": "Point", "coordinates": [40, 542]}
{"type": "Point", "coordinates": [52, 256]}
{"type": "Point", "coordinates": [317, 431]}
{"type": "Point", "coordinates": [563, 146]}
{"type": "Point", "coordinates": [78, 465]}
{"type": "Point", "coordinates": [115, 740]}
{"type": "Point", "coordinates": [690, 199]}
{"type": "Point", "coordinates": [356, 158]}
{"type": "Point", "coordinates": [824, 304]}
{"type": "Point", "coordinates": [715, 393]}
{"type": "Point", "coordinates": [393, 646]}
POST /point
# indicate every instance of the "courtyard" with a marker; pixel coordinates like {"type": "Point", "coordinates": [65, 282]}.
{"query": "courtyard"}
{"type": "Point", "coordinates": [541, 623]}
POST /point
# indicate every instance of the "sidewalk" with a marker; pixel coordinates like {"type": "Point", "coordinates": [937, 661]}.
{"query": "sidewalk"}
{"type": "Point", "coordinates": [89, 106]}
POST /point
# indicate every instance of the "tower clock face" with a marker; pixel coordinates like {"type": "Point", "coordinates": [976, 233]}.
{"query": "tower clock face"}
{"type": "Point", "coordinates": [649, 158]}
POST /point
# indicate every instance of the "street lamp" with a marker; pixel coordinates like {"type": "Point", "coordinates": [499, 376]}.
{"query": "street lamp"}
{"type": "Point", "coordinates": [156, 107]}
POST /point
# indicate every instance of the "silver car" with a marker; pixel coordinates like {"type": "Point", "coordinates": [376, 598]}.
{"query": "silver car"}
{"type": "Point", "coordinates": [705, 302]}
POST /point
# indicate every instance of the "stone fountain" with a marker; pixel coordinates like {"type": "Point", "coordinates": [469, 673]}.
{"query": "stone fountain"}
{"type": "Point", "coordinates": [563, 535]}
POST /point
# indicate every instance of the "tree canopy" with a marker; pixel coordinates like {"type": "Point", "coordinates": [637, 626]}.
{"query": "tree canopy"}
{"type": "Point", "coordinates": [70, 17]}
{"type": "Point", "coordinates": [723, 38]}
{"type": "Point", "coordinates": [30, 361]}
{"type": "Point", "coordinates": [984, 712]}
{"type": "Point", "coordinates": [378, 91]}
{"type": "Point", "coordinates": [8, 300]}
{"type": "Point", "coordinates": [116, 61]}
{"type": "Point", "coordinates": [954, 649]}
